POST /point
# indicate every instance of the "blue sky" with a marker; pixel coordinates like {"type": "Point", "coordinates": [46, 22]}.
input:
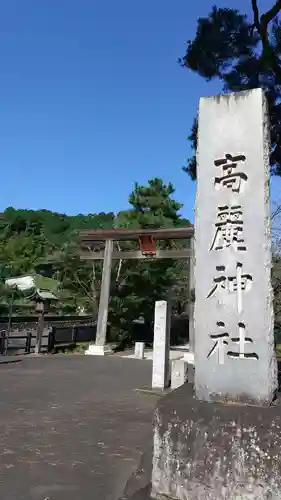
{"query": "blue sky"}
{"type": "Point", "coordinates": [92, 100]}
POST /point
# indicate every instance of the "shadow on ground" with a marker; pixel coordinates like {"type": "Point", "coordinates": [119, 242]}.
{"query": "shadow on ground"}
{"type": "Point", "coordinates": [142, 494]}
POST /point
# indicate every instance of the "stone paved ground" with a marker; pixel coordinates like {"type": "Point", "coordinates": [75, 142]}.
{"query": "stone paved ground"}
{"type": "Point", "coordinates": [72, 427]}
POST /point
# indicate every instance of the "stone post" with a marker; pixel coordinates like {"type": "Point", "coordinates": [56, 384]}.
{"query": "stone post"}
{"type": "Point", "coordinates": [139, 350]}
{"type": "Point", "coordinates": [234, 349]}
{"type": "Point", "coordinates": [179, 373]}
{"type": "Point", "coordinates": [161, 345]}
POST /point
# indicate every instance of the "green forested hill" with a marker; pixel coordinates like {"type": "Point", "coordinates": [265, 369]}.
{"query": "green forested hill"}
{"type": "Point", "coordinates": [30, 239]}
{"type": "Point", "coordinates": [46, 242]}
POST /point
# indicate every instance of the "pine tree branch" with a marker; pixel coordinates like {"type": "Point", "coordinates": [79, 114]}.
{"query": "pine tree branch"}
{"type": "Point", "coordinates": [276, 212]}
{"type": "Point", "coordinates": [264, 22]}
{"type": "Point", "coordinates": [270, 14]}
{"type": "Point", "coordinates": [256, 14]}
{"type": "Point", "coordinates": [261, 24]}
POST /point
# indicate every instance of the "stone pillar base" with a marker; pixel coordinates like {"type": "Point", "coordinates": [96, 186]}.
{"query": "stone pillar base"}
{"type": "Point", "coordinates": [211, 451]}
{"type": "Point", "coordinates": [98, 350]}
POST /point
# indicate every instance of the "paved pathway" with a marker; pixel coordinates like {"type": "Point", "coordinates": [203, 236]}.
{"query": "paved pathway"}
{"type": "Point", "coordinates": [72, 427]}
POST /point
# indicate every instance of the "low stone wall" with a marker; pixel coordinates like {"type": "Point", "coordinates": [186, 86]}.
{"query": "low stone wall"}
{"type": "Point", "coordinates": [209, 451]}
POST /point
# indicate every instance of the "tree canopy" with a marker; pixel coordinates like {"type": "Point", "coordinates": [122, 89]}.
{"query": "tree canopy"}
{"type": "Point", "coordinates": [141, 283]}
{"type": "Point", "coordinates": [44, 242]}
{"type": "Point", "coordinates": [243, 52]}
{"type": "Point", "coordinates": [47, 243]}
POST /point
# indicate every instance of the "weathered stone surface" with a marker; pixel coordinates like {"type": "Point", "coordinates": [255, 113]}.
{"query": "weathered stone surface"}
{"type": "Point", "coordinates": [213, 451]}
{"type": "Point", "coordinates": [179, 371]}
{"type": "Point", "coordinates": [234, 348]}
{"type": "Point", "coordinates": [139, 350]}
{"type": "Point", "coordinates": [161, 345]}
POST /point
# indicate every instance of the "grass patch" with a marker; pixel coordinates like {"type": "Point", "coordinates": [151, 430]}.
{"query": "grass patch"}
{"type": "Point", "coordinates": [78, 348]}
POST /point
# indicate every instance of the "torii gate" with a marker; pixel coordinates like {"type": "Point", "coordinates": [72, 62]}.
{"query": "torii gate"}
{"type": "Point", "coordinates": [147, 239]}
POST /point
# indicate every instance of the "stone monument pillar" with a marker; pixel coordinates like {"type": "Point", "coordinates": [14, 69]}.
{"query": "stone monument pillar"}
{"type": "Point", "coordinates": [234, 349]}
{"type": "Point", "coordinates": [161, 345]}
{"type": "Point", "coordinates": [224, 443]}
